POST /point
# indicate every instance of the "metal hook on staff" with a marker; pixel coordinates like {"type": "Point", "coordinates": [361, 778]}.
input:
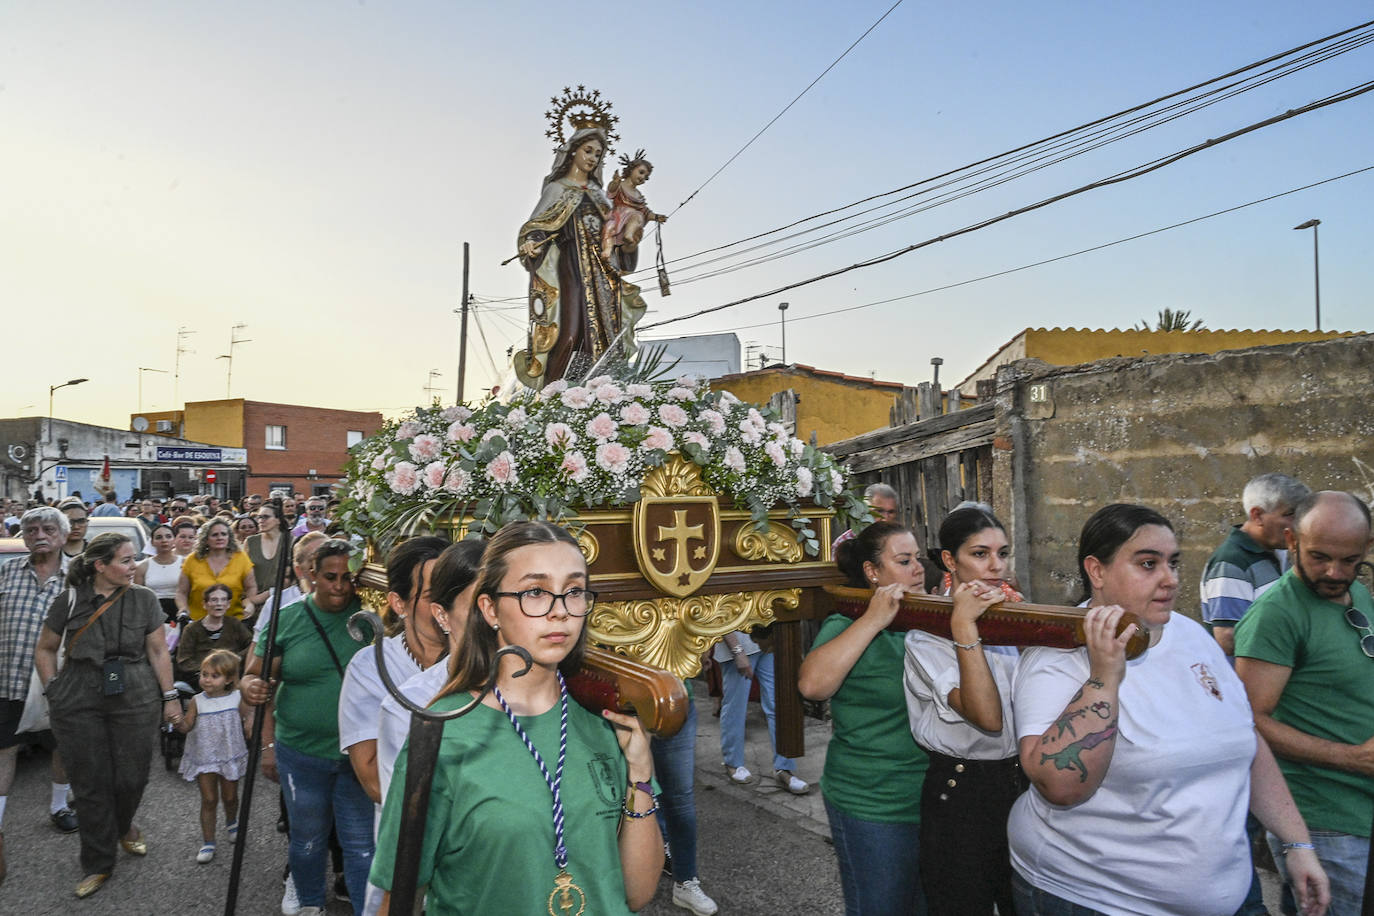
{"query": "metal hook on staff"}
{"type": "Point", "coordinates": [537, 246]}
{"type": "Point", "coordinates": [426, 732]}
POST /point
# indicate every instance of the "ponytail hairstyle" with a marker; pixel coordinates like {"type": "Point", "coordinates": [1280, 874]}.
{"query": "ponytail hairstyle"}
{"type": "Point", "coordinates": [866, 547]}
{"type": "Point", "coordinates": [101, 549]}
{"type": "Point", "coordinates": [1109, 528]}
{"type": "Point", "coordinates": [472, 664]}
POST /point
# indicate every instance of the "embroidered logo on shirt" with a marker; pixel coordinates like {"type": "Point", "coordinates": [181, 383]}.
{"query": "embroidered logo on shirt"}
{"type": "Point", "coordinates": [1205, 678]}
{"type": "Point", "coordinates": [606, 778]}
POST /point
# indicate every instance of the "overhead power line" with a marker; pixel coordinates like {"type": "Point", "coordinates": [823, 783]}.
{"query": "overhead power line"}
{"type": "Point", "coordinates": [1063, 257]}
{"type": "Point", "coordinates": [1100, 127]}
{"type": "Point", "coordinates": [1118, 178]}
{"type": "Point", "coordinates": [787, 107]}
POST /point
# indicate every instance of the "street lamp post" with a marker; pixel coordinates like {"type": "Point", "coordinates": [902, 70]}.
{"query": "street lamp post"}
{"type": "Point", "coordinates": [1316, 267]}
{"type": "Point", "coordinates": [142, 370]}
{"type": "Point", "coordinates": [53, 388]}
{"type": "Point", "coordinates": [782, 311]}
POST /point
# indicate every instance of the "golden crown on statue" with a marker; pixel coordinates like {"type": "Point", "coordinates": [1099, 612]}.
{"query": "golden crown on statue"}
{"type": "Point", "coordinates": [581, 109]}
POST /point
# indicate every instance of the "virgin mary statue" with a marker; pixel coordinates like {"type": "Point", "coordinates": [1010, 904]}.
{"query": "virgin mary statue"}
{"type": "Point", "coordinates": [578, 304]}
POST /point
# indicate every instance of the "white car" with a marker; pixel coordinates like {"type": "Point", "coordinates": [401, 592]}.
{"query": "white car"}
{"type": "Point", "coordinates": [128, 526]}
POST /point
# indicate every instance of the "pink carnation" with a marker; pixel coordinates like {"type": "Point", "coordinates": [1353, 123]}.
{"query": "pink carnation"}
{"type": "Point", "coordinates": [734, 460]}
{"type": "Point", "coordinates": [434, 474]}
{"type": "Point", "coordinates": [757, 419]}
{"type": "Point", "coordinates": [407, 430]}
{"type": "Point", "coordinates": [556, 387]}
{"type": "Point", "coordinates": [602, 426]}
{"type": "Point", "coordinates": [459, 431]}
{"type": "Point", "coordinates": [379, 462]}
{"type": "Point", "coordinates": [673, 415]}
{"type": "Point", "coordinates": [559, 434]}
{"type": "Point", "coordinates": [613, 457]}
{"type": "Point", "coordinates": [749, 433]}
{"type": "Point", "coordinates": [455, 413]}
{"type": "Point", "coordinates": [696, 438]}
{"type": "Point", "coordinates": [687, 381]}
{"type": "Point", "coordinates": [595, 383]}
{"type": "Point", "coordinates": [639, 390]}
{"type": "Point", "coordinates": [575, 466]}
{"type": "Point", "coordinates": [714, 420]}
{"type": "Point", "coordinates": [680, 394]}
{"type": "Point", "coordinates": [457, 481]}
{"type": "Point", "coordinates": [797, 447]}
{"type": "Point", "coordinates": [403, 478]}
{"type": "Point", "coordinates": [805, 482]}
{"type": "Point", "coordinates": [658, 438]}
{"type": "Point", "coordinates": [778, 430]}
{"type": "Point", "coordinates": [491, 434]}
{"type": "Point", "coordinates": [501, 469]}
{"type": "Point", "coordinates": [576, 397]}
{"type": "Point", "coordinates": [635, 414]}
{"type": "Point", "coordinates": [609, 393]}
{"type": "Point", "coordinates": [426, 447]}
{"type": "Point", "coordinates": [836, 482]}
{"type": "Point", "coordinates": [775, 452]}
{"type": "Point", "coordinates": [516, 418]}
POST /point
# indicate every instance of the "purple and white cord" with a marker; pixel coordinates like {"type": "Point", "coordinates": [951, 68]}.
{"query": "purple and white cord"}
{"type": "Point", "coordinates": [555, 783]}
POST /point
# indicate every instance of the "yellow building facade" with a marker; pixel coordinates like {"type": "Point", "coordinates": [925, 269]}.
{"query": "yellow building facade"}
{"type": "Point", "coordinates": [831, 405]}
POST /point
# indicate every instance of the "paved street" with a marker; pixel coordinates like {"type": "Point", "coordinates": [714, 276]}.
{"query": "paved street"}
{"type": "Point", "coordinates": [761, 850]}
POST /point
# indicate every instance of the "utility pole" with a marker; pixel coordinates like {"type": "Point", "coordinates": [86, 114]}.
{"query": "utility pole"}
{"type": "Point", "coordinates": [463, 330]}
{"type": "Point", "coordinates": [182, 334]}
{"type": "Point", "coordinates": [234, 340]}
{"type": "Point", "coordinates": [782, 311]}
{"type": "Point", "coordinates": [1316, 267]}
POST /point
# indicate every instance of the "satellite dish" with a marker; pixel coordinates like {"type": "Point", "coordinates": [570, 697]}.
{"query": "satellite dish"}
{"type": "Point", "coordinates": [140, 424]}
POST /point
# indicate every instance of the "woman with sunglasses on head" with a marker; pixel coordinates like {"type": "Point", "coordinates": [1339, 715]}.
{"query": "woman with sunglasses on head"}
{"type": "Point", "coordinates": [873, 766]}
{"type": "Point", "coordinates": [1142, 770]}
{"type": "Point", "coordinates": [958, 695]}
{"type": "Point", "coordinates": [536, 803]}
{"type": "Point", "coordinates": [301, 729]}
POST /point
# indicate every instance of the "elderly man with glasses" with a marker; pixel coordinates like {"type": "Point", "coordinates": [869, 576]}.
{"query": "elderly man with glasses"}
{"type": "Point", "coordinates": [314, 518]}
{"type": "Point", "coordinates": [28, 586]}
{"type": "Point", "coordinates": [1305, 650]}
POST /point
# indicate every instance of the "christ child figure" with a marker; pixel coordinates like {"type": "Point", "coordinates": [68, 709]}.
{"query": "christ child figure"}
{"type": "Point", "coordinates": [621, 235]}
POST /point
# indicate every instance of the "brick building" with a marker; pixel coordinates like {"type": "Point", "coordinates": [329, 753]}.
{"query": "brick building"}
{"type": "Point", "coordinates": [288, 445]}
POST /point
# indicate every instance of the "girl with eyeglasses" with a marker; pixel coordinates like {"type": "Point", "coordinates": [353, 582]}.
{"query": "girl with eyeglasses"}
{"type": "Point", "coordinates": [535, 802]}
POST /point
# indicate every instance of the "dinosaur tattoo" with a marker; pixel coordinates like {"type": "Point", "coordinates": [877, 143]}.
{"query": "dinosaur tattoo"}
{"type": "Point", "coordinates": [1070, 758]}
{"type": "Point", "coordinates": [1065, 722]}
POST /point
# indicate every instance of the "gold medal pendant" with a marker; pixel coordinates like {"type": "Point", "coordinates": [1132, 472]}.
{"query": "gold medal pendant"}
{"type": "Point", "coordinates": [566, 898]}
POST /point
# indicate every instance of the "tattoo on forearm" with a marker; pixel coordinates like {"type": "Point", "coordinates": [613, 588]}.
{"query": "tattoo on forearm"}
{"type": "Point", "coordinates": [1065, 722]}
{"type": "Point", "coordinates": [1102, 708]}
{"type": "Point", "coordinates": [1094, 682]}
{"type": "Point", "coordinates": [1071, 757]}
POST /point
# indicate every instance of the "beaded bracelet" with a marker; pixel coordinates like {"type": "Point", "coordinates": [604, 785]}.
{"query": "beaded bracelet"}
{"type": "Point", "coordinates": [1287, 846]}
{"type": "Point", "coordinates": [653, 809]}
{"type": "Point", "coordinates": [973, 645]}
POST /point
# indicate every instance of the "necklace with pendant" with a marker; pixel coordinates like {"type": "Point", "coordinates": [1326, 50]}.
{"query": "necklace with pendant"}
{"type": "Point", "coordinates": [566, 898]}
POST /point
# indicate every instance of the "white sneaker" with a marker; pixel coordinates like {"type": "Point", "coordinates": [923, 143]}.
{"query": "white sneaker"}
{"type": "Point", "coordinates": [690, 896]}
{"type": "Point", "coordinates": [789, 781]}
{"type": "Point", "coordinates": [290, 903]}
{"type": "Point", "coordinates": [206, 854]}
{"type": "Point", "coordinates": [741, 776]}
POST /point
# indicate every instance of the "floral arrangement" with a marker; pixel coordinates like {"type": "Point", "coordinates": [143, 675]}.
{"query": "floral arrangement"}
{"type": "Point", "coordinates": [551, 453]}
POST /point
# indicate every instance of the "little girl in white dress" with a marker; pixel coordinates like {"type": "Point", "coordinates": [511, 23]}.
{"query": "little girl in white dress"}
{"type": "Point", "coordinates": [216, 754]}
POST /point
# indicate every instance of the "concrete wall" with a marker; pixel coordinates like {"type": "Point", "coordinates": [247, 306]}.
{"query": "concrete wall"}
{"type": "Point", "coordinates": [704, 355]}
{"type": "Point", "coordinates": [1181, 433]}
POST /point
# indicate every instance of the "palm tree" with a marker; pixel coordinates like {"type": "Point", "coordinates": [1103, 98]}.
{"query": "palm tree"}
{"type": "Point", "coordinates": [1169, 320]}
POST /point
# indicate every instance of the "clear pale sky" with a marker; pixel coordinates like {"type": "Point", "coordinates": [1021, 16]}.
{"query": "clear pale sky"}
{"type": "Point", "coordinates": [312, 169]}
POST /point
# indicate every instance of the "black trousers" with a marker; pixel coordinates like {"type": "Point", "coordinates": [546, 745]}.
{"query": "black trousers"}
{"type": "Point", "coordinates": [965, 861]}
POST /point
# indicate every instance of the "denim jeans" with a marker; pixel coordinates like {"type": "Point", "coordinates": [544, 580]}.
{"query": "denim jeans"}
{"type": "Point", "coordinates": [1032, 901]}
{"type": "Point", "coordinates": [320, 792]}
{"type": "Point", "coordinates": [735, 703]}
{"type": "Point", "coordinates": [1344, 857]}
{"type": "Point", "coordinates": [879, 865]}
{"type": "Point", "coordinates": [674, 765]}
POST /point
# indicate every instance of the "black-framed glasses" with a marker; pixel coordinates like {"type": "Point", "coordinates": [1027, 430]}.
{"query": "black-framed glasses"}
{"type": "Point", "coordinates": [538, 602]}
{"type": "Point", "coordinates": [1356, 618]}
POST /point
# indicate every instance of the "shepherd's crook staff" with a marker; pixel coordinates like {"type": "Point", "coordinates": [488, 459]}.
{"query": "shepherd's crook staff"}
{"type": "Point", "coordinates": [231, 899]}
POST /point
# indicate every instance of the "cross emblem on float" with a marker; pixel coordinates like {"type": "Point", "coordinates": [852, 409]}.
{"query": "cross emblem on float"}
{"type": "Point", "coordinates": [676, 540]}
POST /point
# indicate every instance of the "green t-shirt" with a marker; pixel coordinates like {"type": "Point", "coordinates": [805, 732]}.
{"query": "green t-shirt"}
{"type": "Point", "coordinates": [488, 845]}
{"type": "Point", "coordinates": [1330, 693]}
{"type": "Point", "coordinates": [873, 767]}
{"type": "Point", "coordinates": [307, 706]}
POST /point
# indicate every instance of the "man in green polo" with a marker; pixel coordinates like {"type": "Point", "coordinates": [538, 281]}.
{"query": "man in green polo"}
{"type": "Point", "coordinates": [1305, 650]}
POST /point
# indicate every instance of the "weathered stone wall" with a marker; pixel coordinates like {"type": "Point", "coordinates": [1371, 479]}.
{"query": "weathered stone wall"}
{"type": "Point", "coordinates": [1181, 433]}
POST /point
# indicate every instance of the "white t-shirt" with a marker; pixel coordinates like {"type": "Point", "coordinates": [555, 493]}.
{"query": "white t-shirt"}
{"type": "Point", "coordinates": [289, 596]}
{"type": "Point", "coordinates": [360, 699]}
{"type": "Point", "coordinates": [163, 580]}
{"type": "Point", "coordinates": [1164, 834]}
{"type": "Point", "coordinates": [395, 718]}
{"type": "Point", "coordinates": [932, 671]}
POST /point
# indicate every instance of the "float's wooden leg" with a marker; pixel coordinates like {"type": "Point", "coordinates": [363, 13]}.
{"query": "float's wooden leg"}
{"type": "Point", "coordinates": [787, 636]}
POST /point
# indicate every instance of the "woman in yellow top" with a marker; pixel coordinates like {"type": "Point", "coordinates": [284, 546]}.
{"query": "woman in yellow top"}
{"type": "Point", "coordinates": [217, 560]}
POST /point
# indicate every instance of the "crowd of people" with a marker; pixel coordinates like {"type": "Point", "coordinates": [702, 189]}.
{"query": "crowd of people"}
{"type": "Point", "coordinates": [961, 777]}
